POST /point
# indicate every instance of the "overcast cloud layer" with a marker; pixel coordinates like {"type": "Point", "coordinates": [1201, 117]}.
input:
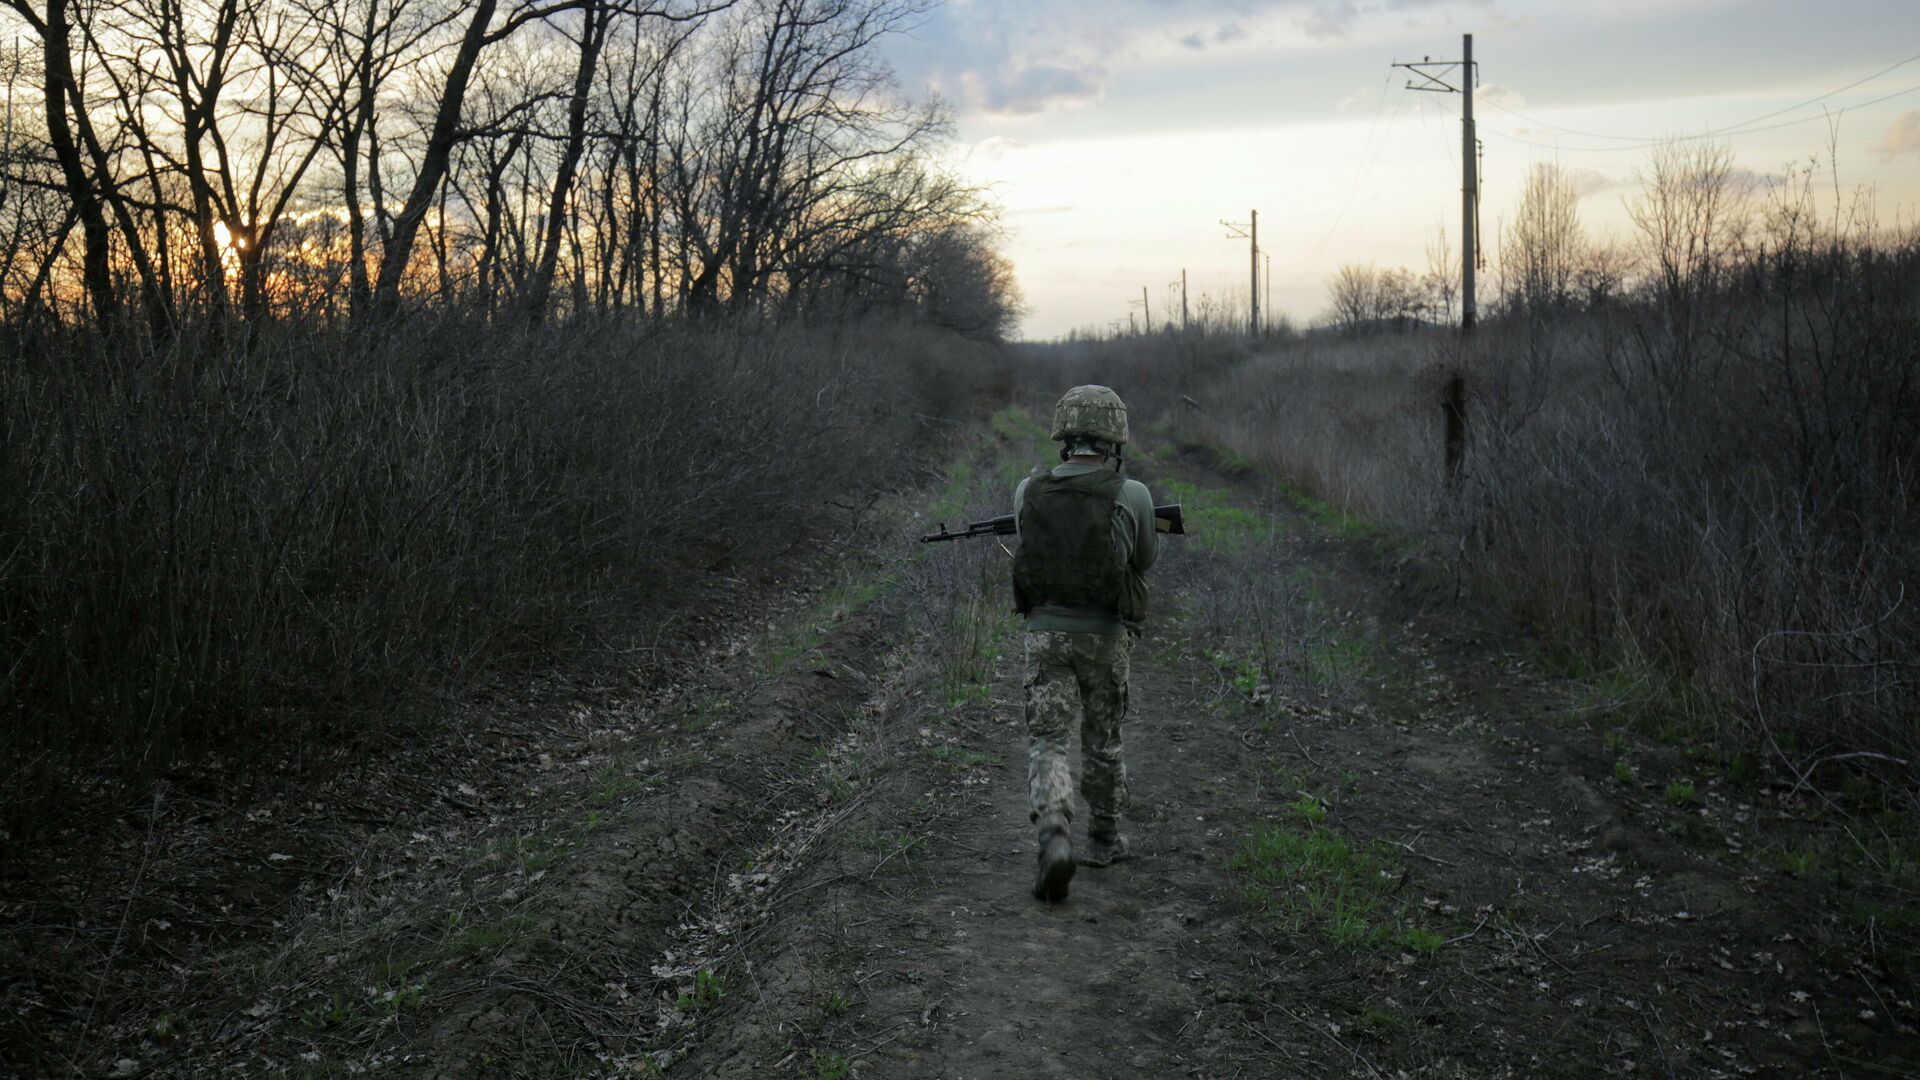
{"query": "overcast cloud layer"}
{"type": "Point", "coordinates": [1118, 133]}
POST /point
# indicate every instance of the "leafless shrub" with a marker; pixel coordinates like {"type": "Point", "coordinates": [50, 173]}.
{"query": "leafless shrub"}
{"type": "Point", "coordinates": [314, 529]}
{"type": "Point", "coordinates": [1703, 469]}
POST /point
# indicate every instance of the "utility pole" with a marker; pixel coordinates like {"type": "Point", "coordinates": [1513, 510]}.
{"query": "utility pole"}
{"type": "Point", "coordinates": [1469, 188]}
{"type": "Point", "coordinates": [1251, 233]}
{"type": "Point", "coordinates": [1183, 299]}
{"type": "Point", "coordinates": [1268, 267]}
{"type": "Point", "coordinates": [1144, 310]}
{"type": "Point", "coordinates": [1432, 74]}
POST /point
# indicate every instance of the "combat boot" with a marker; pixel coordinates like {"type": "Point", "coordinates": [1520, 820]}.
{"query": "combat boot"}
{"type": "Point", "coordinates": [1104, 848]}
{"type": "Point", "coordinates": [1056, 859]}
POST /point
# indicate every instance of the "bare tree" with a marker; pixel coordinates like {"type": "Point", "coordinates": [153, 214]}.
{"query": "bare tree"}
{"type": "Point", "coordinates": [807, 115]}
{"type": "Point", "coordinates": [1545, 245]}
{"type": "Point", "coordinates": [238, 158]}
{"type": "Point", "coordinates": [1353, 292]}
{"type": "Point", "coordinates": [1442, 279]}
{"type": "Point", "coordinates": [1692, 217]}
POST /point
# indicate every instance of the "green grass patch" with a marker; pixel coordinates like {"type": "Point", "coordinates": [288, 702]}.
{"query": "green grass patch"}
{"type": "Point", "coordinates": [951, 504]}
{"type": "Point", "coordinates": [959, 757]}
{"type": "Point", "coordinates": [829, 1065]}
{"type": "Point", "coordinates": [1665, 708]}
{"type": "Point", "coordinates": [531, 853]}
{"type": "Point", "coordinates": [1244, 671]}
{"type": "Point", "coordinates": [838, 787]}
{"type": "Point", "coordinates": [1336, 659]}
{"type": "Point", "coordinates": [1803, 863]}
{"type": "Point", "coordinates": [615, 780]}
{"type": "Point", "coordinates": [1335, 518]}
{"type": "Point", "coordinates": [781, 650]}
{"type": "Point", "coordinates": [1018, 427]}
{"type": "Point", "coordinates": [704, 712]}
{"type": "Point", "coordinates": [706, 992]}
{"type": "Point", "coordinates": [1415, 939]}
{"type": "Point", "coordinates": [490, 937]}
{"type": "Point", "coordinates": [1382, 1023]}
{"type": "Point", "coordinates": [1213, 522]}
{"type": "Point", "coordinates": [1680, 793]}
{"type": "Point", "coordinates": [1309, 879]}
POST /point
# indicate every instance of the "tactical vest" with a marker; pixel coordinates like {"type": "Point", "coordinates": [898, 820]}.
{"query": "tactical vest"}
{"type": "Point", "coordinates": [1066, 548]}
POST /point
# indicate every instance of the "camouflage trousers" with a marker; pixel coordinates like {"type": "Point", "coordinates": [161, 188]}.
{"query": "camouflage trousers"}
{"type": "Point", "coordinates": [1077, 679]}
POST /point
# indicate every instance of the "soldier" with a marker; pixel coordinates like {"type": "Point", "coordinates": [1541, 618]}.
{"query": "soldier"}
{"type": "Point", "coordinates": [1086, 540]}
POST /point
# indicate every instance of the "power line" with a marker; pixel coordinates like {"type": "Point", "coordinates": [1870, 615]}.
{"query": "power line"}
{"type": "Point", "coordinates": [1730, 129]}
{"type": "Point", "coordinates": [1718, 133]}
{"type": "Point", "coordinates": [1372, 151]}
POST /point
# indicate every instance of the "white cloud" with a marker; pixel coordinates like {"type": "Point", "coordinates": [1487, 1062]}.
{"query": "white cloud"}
{"type": "Point", "coordinates": [997, 147]}
{"type": "Point", "coordinates": [1592, 181]}
{"type": "Point", "coordinates": [1331, 20]}
{"type": "Point", "coordinates": [1229, 33]}
{"type": "Point", "coordinates": [1505, 97]}
{"type": "Point", "coordinates": [1360, 96]}
{"type": "Point", "coordinates": [1902, 136]}
{"type": "Point", "coordinates": [1026, 89]}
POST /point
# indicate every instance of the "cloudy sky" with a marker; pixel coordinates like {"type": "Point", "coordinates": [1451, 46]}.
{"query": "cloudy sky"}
{"type": "Point", "coordinates": [1117, 134]}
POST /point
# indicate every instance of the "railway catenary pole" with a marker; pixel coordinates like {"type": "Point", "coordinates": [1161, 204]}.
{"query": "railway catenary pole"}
{"type": "Point", "coordinates": [1251, 233]}
{"type": "Point", "coordinates": [1469, 188]}
{"type": "Point", "coordinates": [1454, 398]}
{"type": "Point", "coordinates": [1253, 289]}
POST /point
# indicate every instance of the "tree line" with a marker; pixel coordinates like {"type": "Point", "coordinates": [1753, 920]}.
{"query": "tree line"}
{"type": "Point", "coordinates": [237, 161]}
{"type": "Point", "coordinates": [1696, 216]}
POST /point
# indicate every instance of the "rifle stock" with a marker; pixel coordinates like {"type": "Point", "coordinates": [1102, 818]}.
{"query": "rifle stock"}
{"type": "Point", "coordinates": [1166, 519]}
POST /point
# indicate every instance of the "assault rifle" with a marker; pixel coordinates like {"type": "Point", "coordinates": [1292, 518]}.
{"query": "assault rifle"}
{"type": "Point", "coordinates": [1166, 519]}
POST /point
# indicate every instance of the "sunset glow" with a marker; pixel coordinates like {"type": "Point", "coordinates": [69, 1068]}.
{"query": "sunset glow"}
{"type": "Point", "coordinates": [1118, 135]}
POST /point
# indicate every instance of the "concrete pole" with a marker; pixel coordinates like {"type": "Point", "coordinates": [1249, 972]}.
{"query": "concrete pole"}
{"type": "Point", "coordinates": [1454, 404]}
{"type": "Point", "coordinates": [1145, 310]}
{"type": "Point", "coordinates": [1183, 299]}
{"type": "Point", "coordinates": [1469, 190]}
{"type": "Point", "coordinates": [1253, 277]}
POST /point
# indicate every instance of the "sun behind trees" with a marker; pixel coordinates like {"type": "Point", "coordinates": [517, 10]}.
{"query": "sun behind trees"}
{"type": "Point", "coordinates": [299, 159]}
{"type": "Point", "coordinates": [357, 351]}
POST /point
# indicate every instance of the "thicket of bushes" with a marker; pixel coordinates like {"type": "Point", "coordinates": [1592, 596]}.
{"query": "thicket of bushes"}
{"type": "Point", "coordinates": [1704, 479]}
{"type": "Point", "coordinates": [265, 546]}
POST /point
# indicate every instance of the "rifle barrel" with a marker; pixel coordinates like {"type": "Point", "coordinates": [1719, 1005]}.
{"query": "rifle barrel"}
{"type": "Point", "coordinates": [1166, 519]}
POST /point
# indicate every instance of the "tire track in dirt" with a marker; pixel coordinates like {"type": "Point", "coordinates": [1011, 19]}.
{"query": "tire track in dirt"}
{"type": "Point", "coordinates": [1534, 915]}
{"type": "Point", "coordinates": [946, 964]}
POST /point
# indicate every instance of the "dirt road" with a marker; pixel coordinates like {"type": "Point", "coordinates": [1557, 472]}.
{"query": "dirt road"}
{"type": "Point", "coordinates": [1372, 837]}
{"type": "Point", "coordinates": [1372, 840]}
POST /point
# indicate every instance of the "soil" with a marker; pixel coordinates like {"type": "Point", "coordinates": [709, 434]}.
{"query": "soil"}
{"type": "Point", "coordinates": [806, 853]}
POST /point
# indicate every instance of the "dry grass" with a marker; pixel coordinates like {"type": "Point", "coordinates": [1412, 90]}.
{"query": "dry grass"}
{"type": "Point", "coordinates": [1711, 488]}
{"type": "Point", "coordinates": [278, 547]}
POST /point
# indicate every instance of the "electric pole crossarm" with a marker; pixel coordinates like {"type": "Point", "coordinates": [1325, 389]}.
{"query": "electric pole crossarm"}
{"type": "Point", "coordinates": [1433, 84]}
{"type": "Point", "coordinates": [1432, 75]}
{"type": "Point", "coordinates": [1145, 311]}
{"type": "Point", "coordinates": [1250, 231]}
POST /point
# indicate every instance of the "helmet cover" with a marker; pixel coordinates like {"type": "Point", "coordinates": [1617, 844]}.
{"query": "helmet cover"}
{"type": "Point", "coordinates": [1090, 410]}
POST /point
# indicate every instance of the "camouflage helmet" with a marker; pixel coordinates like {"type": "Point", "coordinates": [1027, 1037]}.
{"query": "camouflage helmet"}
{"type": "Point", "coordinates": [1090, 410]}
